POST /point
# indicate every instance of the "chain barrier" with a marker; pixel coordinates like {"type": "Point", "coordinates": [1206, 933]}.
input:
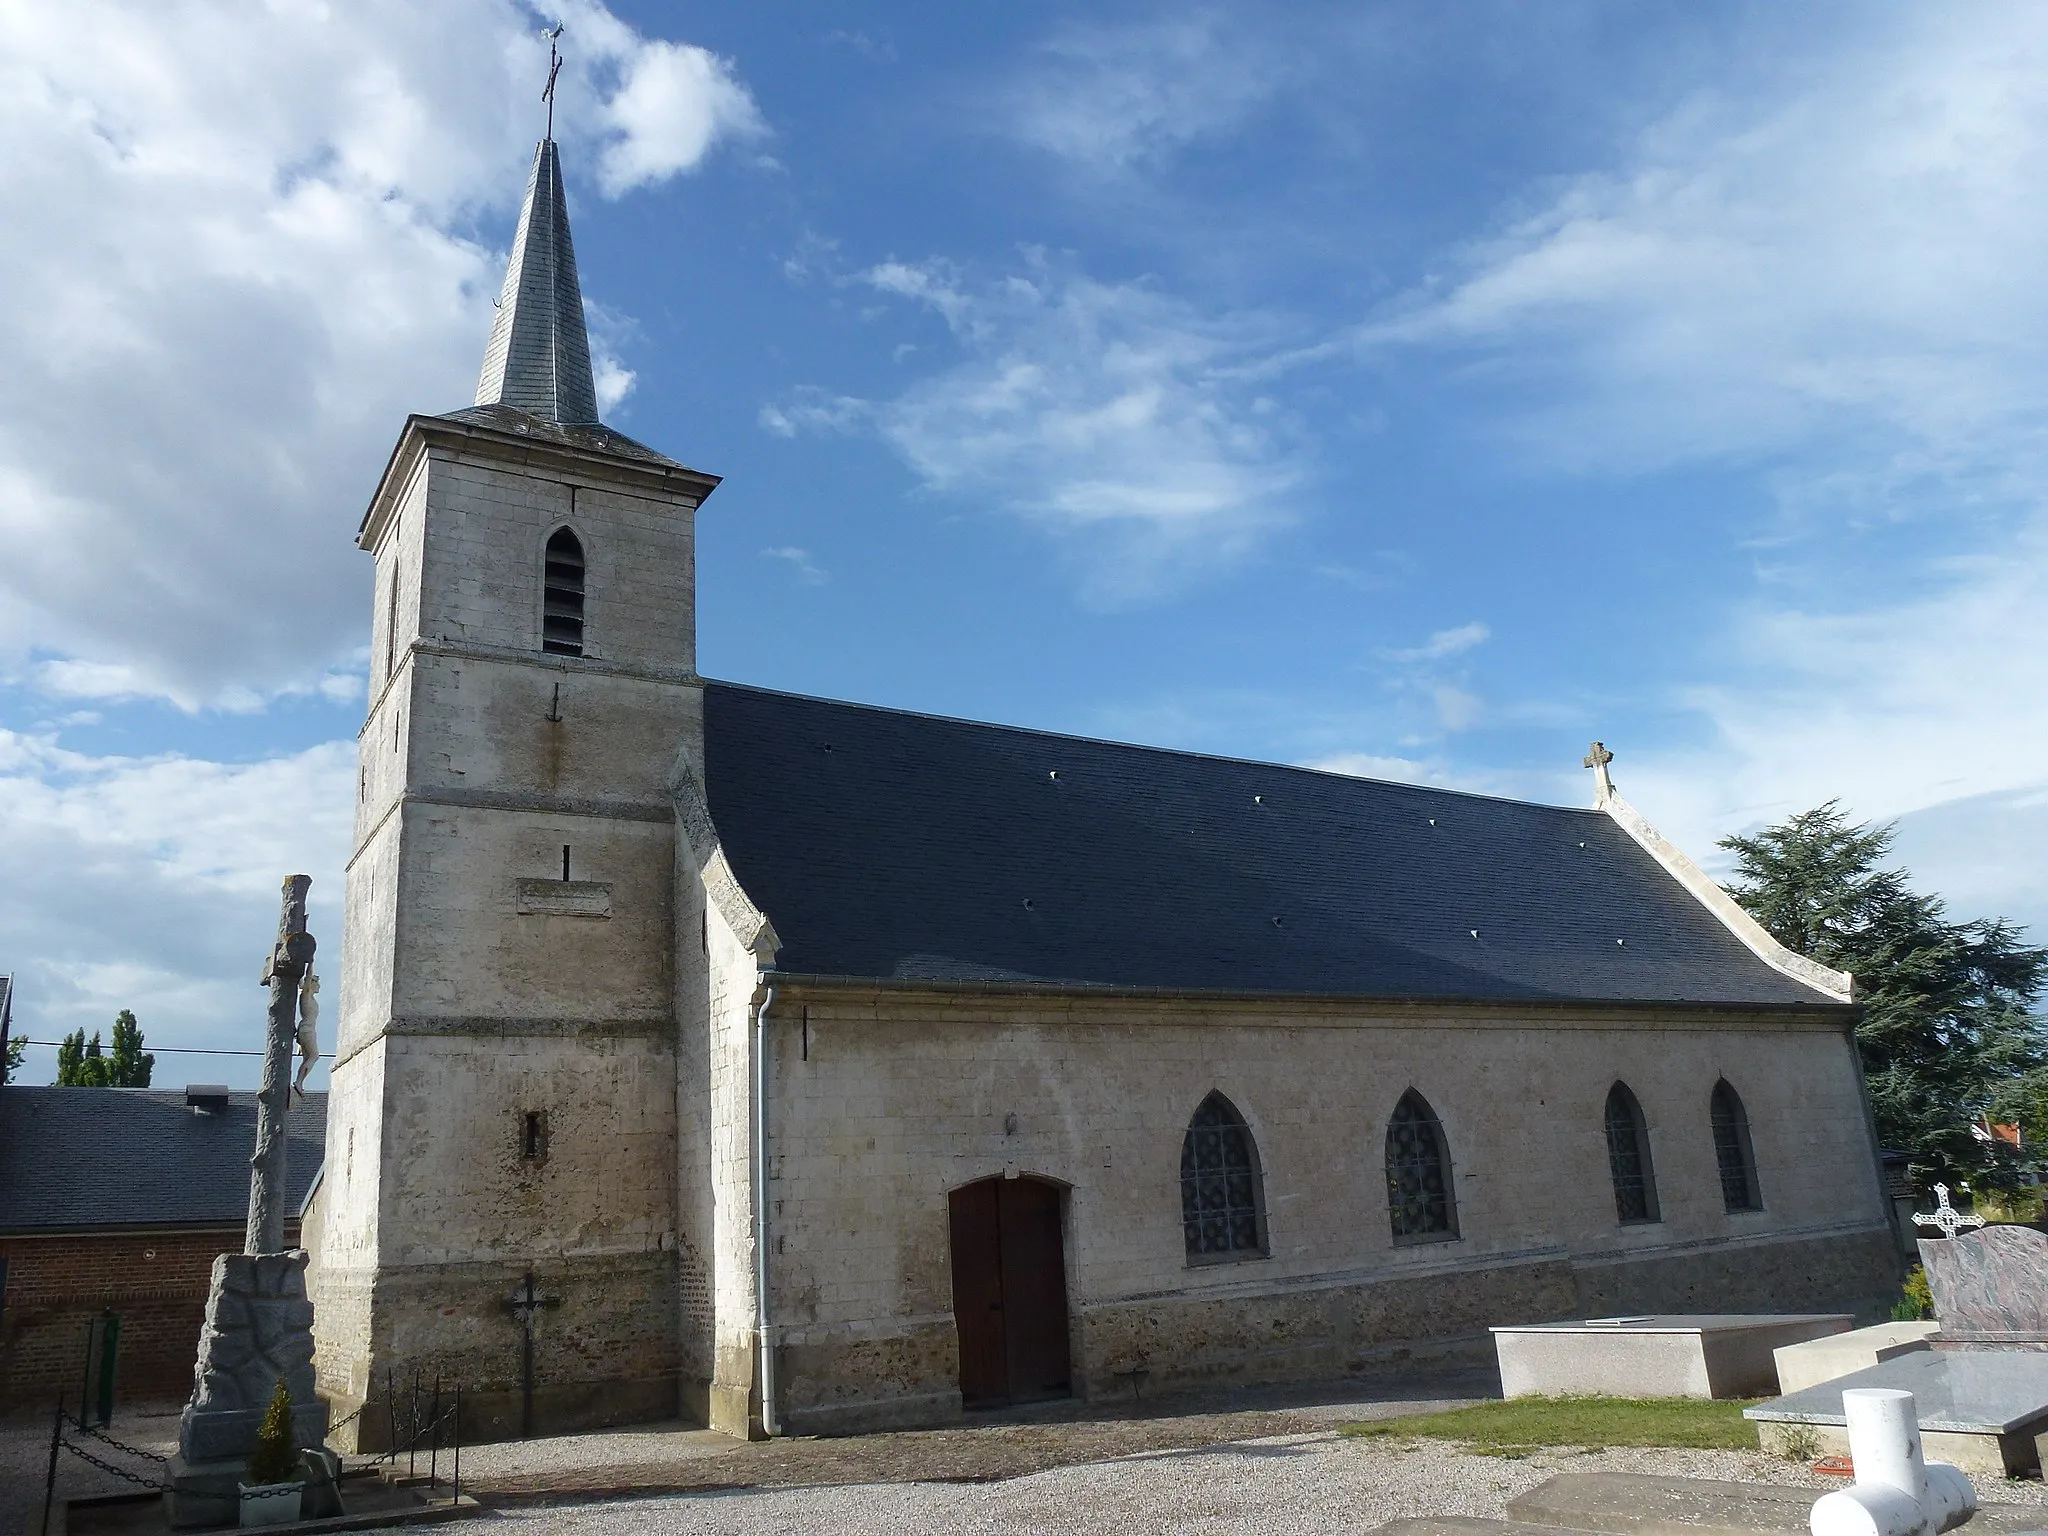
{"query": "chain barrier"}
{"type": "Point", "coordinates": [107, 1466]}
{"type": "Point", "coordinates": [107, 1439]}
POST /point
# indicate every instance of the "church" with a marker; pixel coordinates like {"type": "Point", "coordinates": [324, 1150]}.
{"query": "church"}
{"type": "Point", "coordinates": [802, 1067]}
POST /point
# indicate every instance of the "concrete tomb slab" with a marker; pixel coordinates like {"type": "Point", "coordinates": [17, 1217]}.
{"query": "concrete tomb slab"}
{"type": "Point", "coordinates": [1979, 1409]}
{"type": "Point", "coordinates": [1665, 1355]}
{"type": "Point", "coordinates": [1640, 1504]}
{"type": "Point", "coordinates": [1843, 1354]}
{"type": "Point", "coordinates": [1990, 1288]}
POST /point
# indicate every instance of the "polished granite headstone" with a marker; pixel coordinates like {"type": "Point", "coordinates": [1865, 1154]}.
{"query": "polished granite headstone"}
{"type": "Point", "coordinates": [1990, 1288]}
{"type": "Point", "coordinates": [1978, 1408]}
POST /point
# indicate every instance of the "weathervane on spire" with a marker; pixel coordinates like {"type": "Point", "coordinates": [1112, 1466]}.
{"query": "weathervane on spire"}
{"type": "Point", "coordinates": [554, 69]}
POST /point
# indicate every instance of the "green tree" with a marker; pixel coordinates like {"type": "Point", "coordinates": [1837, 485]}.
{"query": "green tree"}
{"type": "Point", "coordinates": [80, 1062]}
{"type": "Point", "coordinates": [17, 1055]}
{"type": "Point", "coordinates": [128, 1067]}
{"type": "Point", "coordinates": [274, 1459]}
{"type": "Point", "coordinates": [1949, 1034]}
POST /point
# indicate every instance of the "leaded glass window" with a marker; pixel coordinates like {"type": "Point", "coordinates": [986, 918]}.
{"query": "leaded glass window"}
{"type": "Point", "coordinates": [1419, 1198]}
{"type": "Point", "coordinates": [1219, 1185]}
{"type": "Point", "coordinates": [1733, 1153]}
{"type": "Point", "coordinates": [1628, 1157]}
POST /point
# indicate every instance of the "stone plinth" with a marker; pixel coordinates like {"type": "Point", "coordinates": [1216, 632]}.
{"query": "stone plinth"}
{"type": "Point", "coordinates": [1990, 1288]}
{"type": "Point", "coordinates": [259, 1329]}
{"type": "Point", "coordinates": [1843, 1354]}
{"type": "Point", "coordinates": [1979, 1409]}
{"type": "Point", "coordinates": [1654, 1356]}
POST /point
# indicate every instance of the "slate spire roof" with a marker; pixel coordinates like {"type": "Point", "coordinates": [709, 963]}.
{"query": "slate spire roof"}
{"type": "Point", "coordinates": [538, 359]}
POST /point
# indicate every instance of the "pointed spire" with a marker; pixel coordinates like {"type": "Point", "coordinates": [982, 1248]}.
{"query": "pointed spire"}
{"type": "Point", "coordinates": [539, 355]}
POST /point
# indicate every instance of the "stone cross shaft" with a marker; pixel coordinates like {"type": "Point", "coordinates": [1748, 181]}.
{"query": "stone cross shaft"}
{"type": "Point", "coordinates": [1945, 1216]}
{"type": "Point", "coordinates": [527, 1304]}
{"type": "Point", "coordinates": [282, 973]}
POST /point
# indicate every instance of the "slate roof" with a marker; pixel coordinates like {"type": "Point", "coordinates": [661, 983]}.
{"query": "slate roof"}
{"type": "Point", "coordinates": [86, 1159]}
{"type": "Point", "coordinates": [883, 844]}
{"type": "Point", "coordinates": [593, 437]}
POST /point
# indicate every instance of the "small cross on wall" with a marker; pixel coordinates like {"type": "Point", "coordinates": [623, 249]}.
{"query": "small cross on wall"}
{"type": "Point", "coordinates": [1597, 759]}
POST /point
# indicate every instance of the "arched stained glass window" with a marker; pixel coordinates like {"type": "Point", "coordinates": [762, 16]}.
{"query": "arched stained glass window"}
{"type": "Point", "coordinates": [1628, 1157]}
{"type": "Point", "coordinates": [1733, 1152]}
{"type": "Point", "coordinates": [1219, 1186]}
{"type": "Point", "coordinates": [1419, 1197]}
{"type": "Point", "coordinates": [561, 625]}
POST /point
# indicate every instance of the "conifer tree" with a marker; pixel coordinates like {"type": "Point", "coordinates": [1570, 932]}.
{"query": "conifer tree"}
{"type": "Point", "coordinates": [81, 1063]}
{"type": "Point", "coordinates": [1949, 1035]}
{"type": "Point", "coordinates": [275, 1459]}
{"type": "Point", "coordinates": [129, 1066]}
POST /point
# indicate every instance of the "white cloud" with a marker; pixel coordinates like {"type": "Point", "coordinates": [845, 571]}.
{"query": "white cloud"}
{"type": "Point", "coordinates": [674, 104]}
{"type": "Point", "coordinates": [1826, 273]}
{"type": "Point", "coordinates": [152, 884]}
{"type": "Point", "coordinates": [1111, 415]}
{"type": "Point", "coordinates": [236, 259]}
{"type": "Point", "coordinates": [1847, 252]}
{"type": "Point", "coordinates": [808, 572]}
{"type": "Point", "coordinates": [1447, 642]}
{"type": "Point", "coordinates": [1109, 98]}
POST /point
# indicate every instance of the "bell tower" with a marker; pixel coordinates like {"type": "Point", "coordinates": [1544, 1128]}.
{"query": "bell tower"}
{"type": "Point", "coordinates": [503, 1115]}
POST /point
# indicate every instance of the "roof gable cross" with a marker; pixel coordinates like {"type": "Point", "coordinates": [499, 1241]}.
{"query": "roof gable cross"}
{"type": "Point", "coordinates": [1597, 759]}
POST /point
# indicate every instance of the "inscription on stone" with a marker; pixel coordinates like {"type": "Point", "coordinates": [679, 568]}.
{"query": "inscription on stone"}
{"type": "Point", "coordinates": [565, 898]}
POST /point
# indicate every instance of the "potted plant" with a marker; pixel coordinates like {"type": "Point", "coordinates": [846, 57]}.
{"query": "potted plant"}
{"type": "Point", "coordinates": [276, 1484]}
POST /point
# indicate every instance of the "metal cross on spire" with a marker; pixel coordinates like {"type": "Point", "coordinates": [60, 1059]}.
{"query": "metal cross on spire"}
{"type": "Point", "coordinates": [1947, 1217]}
{"type": "Point", "coordinates": [554, 68]}
{"type": "Point", "coordinates": [1597, 759]}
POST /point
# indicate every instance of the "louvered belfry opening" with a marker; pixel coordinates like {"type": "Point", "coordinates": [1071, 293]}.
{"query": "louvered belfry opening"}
{"type": "Point", "coordinates": [561, 631]}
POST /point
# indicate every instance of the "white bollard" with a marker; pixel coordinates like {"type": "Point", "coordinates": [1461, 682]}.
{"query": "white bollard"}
{"type": "Point", "coordinates": [1897, 1492]}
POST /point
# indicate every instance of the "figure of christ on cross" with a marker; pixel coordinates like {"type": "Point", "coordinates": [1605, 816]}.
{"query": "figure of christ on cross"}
{"type": "Point", "coordinates": [526, 1304]}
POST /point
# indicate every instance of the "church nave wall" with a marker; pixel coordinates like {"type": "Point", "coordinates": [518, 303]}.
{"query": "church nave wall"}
{"type": "Point", "coordinates": [883, 1101]}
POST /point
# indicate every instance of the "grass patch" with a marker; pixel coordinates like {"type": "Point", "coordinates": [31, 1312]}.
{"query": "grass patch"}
{"type": "Point", "coordinates": [1515, 1428]}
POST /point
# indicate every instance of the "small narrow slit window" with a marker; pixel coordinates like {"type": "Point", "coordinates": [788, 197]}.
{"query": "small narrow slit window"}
{"type": "Point", "coordinates": [533, 1136]}
{"type": "Point", "coordinates": [561, 630]}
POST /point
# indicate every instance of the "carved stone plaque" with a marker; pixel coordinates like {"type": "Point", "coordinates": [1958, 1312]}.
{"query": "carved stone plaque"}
{"type": "Point", "coordinates": [565, 898]}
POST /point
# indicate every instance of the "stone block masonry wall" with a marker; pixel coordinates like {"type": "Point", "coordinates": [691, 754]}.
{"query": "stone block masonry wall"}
{"type": "Point", "coordinates": [907, 1095]}
{"type": "Point", "coordinates": [55, 1285]}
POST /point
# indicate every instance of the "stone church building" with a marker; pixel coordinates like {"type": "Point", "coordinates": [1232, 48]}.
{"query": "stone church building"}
{"type": "Point", "coordinates": [803, 1066]}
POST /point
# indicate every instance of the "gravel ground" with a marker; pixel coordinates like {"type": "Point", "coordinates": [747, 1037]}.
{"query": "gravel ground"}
{"type": "Point", "coordinates": [1248, 1462]}
{"type": "Point", "coordinates": [1304, 1484]}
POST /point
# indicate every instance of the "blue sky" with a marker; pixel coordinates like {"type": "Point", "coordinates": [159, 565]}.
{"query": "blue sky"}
{"type": "Point", "coordinates": [1411, 391]}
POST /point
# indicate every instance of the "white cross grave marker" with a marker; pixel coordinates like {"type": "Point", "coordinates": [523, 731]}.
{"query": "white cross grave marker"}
{"type": "Point", "coordinates": [1947, 1217]}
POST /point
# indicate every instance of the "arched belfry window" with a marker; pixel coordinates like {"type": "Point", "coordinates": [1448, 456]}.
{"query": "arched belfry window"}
{"type": "Point", "coordinates": [1733, 1153]}
{"type": "Point", "coordinates": [561, 625]}
{"type": "Point", "coordinates": [1419, 1196]}
{"type": "Point", "coordinates": [1628, 1157]}
{"type": "Point", "coordinates": [1219, 1186]}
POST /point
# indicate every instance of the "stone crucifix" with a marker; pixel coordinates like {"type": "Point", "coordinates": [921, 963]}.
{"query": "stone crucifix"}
{"type": "Point", "coordinates": [527, 1304]}
{"type": "Point", "coordinates": [282, 973]}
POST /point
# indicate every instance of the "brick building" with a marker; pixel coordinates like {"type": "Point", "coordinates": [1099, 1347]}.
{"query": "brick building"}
{"type": "Point", "coordinates": [118, 1199]}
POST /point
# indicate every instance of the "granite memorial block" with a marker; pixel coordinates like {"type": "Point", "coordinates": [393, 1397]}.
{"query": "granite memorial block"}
{"type": "Point", "coordinates": [1990, 1288]}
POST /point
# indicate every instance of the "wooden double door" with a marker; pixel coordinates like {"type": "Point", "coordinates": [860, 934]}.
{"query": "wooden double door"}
{"type": "Point", "coordinates": [1010, 1292]}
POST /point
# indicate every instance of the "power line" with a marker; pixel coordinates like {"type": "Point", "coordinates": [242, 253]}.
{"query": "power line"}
{"type": "Point", "coordinates": [174, 1050]}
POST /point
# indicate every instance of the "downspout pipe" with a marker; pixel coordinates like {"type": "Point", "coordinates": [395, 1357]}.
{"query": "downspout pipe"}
{"type": "Point", "coordinates": [770, 1421]}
